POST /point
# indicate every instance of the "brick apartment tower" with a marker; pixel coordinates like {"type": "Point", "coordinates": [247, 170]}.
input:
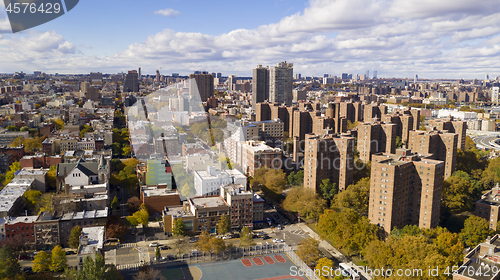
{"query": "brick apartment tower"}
{"type": "Point", "coordinates": [203, 84]}
{"type": "Point", "coordinates": [441, 145]}
{"type": "Point", "coordinates": [330, 157]}
{"type": "Point", "coordinates": [405, 189]}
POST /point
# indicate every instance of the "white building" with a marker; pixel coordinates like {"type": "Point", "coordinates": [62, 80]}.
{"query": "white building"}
{"type": "Point", "coordinates": [209, 182]}
{"type": "Point", "coordinates": [39, 175]}
{"type": "Point", "coordinates": [495, 91]}
{"type": "Point", "coordinates": [91, 242]}
{"type": "Point", "coordinates": [456, 114]}
{"type": "Point", "coordinates": [11, 200]}
{"type": "Point", "coordinates": [488, 125]}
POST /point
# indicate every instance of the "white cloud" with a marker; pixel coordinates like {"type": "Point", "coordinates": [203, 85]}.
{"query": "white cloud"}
{"type": "Point", "coordinates": [167, 12]}
{"type": "Point", "coordinates": [395, 37]}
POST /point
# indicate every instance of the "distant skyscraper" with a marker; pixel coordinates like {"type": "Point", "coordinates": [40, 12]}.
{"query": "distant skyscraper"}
{"type": "Point", "coordinates": [131, 84]}
{"type": "Point", "coordinates": [231, 83]}
{"type": "Point", "coordinates": [260, 85]}
{"type": "Point", "coordinates": [344, 76]}
{"type": "Point", "coordinates": [416, 79]}
{"type": "Point", "coordinates": [157, 79]}
{"type": "Point", "coordinates": [95, 77]}
{"type": "Point", "coordinates": [175, 75]}
{"type": "Point", "coordinates": [375, 74]}
{"type": "Point", "coordinates": [367, 75]}
{"type": "Point", "coordinates": [202, 83]}
{"type": "Point", "coordinates": [219, 75]}
{"type": "Point", "coordinates": [487, 77]}
{"type": "Point", "coordinates": [326, 75]}
{"type": "Point", "coordinates": [298, 76]}
{"type": "Point", "coordinates": [139, 75]}
{"type": "Point", "coordinates": [281, 83]}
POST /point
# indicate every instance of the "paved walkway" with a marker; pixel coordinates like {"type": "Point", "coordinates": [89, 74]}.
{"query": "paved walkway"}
{"type": "Point", "coordinates": [329, 248]}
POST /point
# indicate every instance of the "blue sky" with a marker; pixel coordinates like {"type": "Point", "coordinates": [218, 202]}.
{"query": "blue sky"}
{"type": "Point", "coordinates": [398, 38]}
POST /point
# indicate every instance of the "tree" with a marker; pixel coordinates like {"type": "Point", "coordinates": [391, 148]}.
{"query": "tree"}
{"type": "Point", "coordinates": [179, 228]}
{"type": "Point", "coordinates": [115, 228]}
{"type": "Point", "coordinates": [399, 142]}
{"type": "Point", "coordinates": [9, 265]}
{"type": "Point", "coordinates": [217, 245]}
{"type": "Point", "coordinates": [74, 237]}
{"type": "Point", "coordinates": [203, 243]}
{"type": "Point", "coordinates": [187, 190]}
{"type": "Point", "coordinates": [51, 177]}
{"type": "Point", "coordinates": [142, 217]}
{"type": "Point", "coordinates": [93, 269]}
{"type": "Point", "coordinates": [133, 204]}
{"type": "Point", "coordinates": [58, 124]}
{"type": "Point", "coordinates": [41, 262]}
{"type": "Point", "coordinates": [115, 203]}
{"type": "Point", "coordinates": [475, 231]}
{"type": "Point", "coordinates": [324, 263]}
{"type": "Point", "coordinates": [291, 178]}
{"type": "Point", "coordinates": [58, 261]}
{"type": "Point", "coordinates": [157, 252]}
{"type": "Point", "coordinates": [309, 251]}
{"type": "Point", "coordinates": [275, 180]}
{"type": "Point", "coordinates": [132, 221]}
{"type": "Point", "coordinates": [84, 129]}
{"type": "Point", "coordinates": [355, 197]}
{"type": "Point", "coordinates": [32, 198]}
{"type": "Point", "coordinates": [18, 142]}
{"type": "Point", "coordinates": [351, 125]}
{"type": "Point", "coordinates": [148, 273]}
{"type": "Point", "coordinates": [224, 225]}
{"type": "Point", "coordinates": [328, 189]}
{"type": "Point", "coordinates": [491, 174]}
{"type": "Point", "coordinates": [422, 123]}
{"type": "Point", "coordinates": [304, 201]}
{"type": "Point", "coordinates": [246, 238]}
{"type": "Point", "coordinates": [13, 168]}
{"type": "Point", "coordinates": [457, 193]}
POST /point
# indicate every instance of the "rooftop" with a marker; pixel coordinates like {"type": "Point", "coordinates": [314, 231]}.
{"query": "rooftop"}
{"type": "Point", "coordinates": [208, 202]}
{"type": "Point", "coordinates": [27, 172]}
{"type": "Point", "coordinates": [21, 219]}
{"type": "Point", "coordinates": [86, 214]}
{"type": "Point", "coordinates": [153, 191]}
{"type": "Point", "coordinates": [12, 191]}
{"type": "Point", "coordinates": [95, 237]}
{"type": "Point", "coordinates": [177, 212]}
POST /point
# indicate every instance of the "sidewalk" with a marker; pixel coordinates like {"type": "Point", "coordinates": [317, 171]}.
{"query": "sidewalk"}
{"type": "Point", "coordinates": [330, 249]}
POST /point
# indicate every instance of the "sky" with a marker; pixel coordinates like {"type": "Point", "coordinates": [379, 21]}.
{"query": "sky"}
{"type": "Point", "coordinates": [397, 38]}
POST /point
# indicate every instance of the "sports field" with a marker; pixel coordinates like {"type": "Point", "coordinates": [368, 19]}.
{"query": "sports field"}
{"type": "Point", "coordinates": [269, 267]}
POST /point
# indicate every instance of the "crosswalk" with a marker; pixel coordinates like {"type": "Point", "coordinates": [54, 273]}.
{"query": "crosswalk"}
{"type": "Point", "coordinates": [127, 245]}
{"type": "Point", "coordinates": [298, 232]}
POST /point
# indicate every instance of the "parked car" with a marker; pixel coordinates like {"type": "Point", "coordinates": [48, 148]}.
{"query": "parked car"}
{"type": "Point", "coordinates": [264, 237]}
{"type": "Point", "coordinates": [280, 227]}
{"type": "Point", "coordinates": [277, 240]}
{"type": "Point", "coordinates": [165, 247]}
{"type": "Point", "coordinates": [193, 240]}
{"type": "Point", "coordinates": [23, 257]}
{"type": "Point", "coordinates": [28, 270]}
{"type": "Point", "coordinates": [70, 253]}
{"type": "Point", "coordinates": [227, 237]}
{"type": "Point", "coordinates": [153, 244]}
{"type": "Point", "coordinates": [151, 238]}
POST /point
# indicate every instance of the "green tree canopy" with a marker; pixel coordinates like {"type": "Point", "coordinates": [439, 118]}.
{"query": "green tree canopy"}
{"type": "Point", "coordinates": [9, 265]}
{"type": "Point", "coordinates": [328, 189]}
{"type": "Point", "coordinates": [179, 228]}
{"type": "Point", "coordinates": [224, 225]}
{"type": "Point", "coordinates": [354, 197]}
{"type": "Point", "coordinates": [58, 259]}
{"type": "Point", "coordinates": [74, 237]}
{"type": "Point", "coordinates": [41, 262]}
{"type": "Point", "coordinates": [475, 231]}
{"type": "Point", "coordinates": [304, 201]}
{"type": "Point", "coordinates": [309, 251]}
{"type": "Point", "coordinates": [246, 238]}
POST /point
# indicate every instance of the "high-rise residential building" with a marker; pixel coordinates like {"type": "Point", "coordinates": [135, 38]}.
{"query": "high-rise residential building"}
{"type": "Point", "coordinates": [231, 83]}
{"type": "Point", "coordinates": [375, 138]}
{"type": "Point", "coordinates": [281, 83]}
{"type": "Point", "coordinates": [328, 157]}
{"type": "Point", "coordinates": [405, 189]}
{"type": "Point", "coordinates": [202, 84]}
{"type": "Point", "coordinates": [453, 126]}
{"type": "Point", "coordinates": [139, 74]}
{"type": "Point", "coordinates": [260, 85]}
{"type": "Point", "coordinates": [495, 91]}
{"type": "Point", "coordinates": [262, 112]}
{"type": "Point", "coordinates": [157, 78]}
{"type": "Point", "coordinates": [131, 84]}
{"type": "Point", "coordinates": [441, 145]}
{"type": "Point", "coordinates": [488, 207]}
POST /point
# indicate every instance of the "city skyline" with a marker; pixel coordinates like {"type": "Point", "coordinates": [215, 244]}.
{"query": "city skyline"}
{"type": "Point", "coordinates": [449, 39]}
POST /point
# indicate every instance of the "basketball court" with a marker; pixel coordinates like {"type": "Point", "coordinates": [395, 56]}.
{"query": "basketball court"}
{"type": "Point", "coordinates": [268, 267]}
